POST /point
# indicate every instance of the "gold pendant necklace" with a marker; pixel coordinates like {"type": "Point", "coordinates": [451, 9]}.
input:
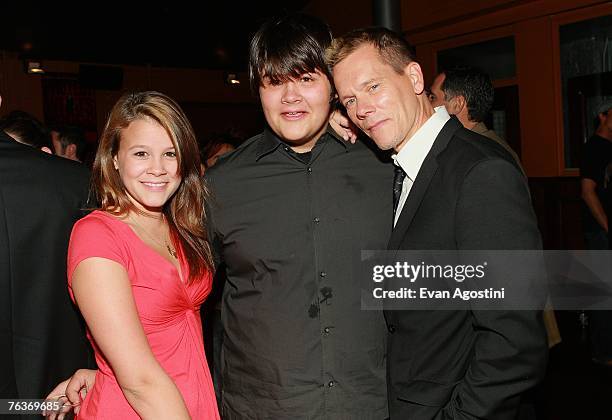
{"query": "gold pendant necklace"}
{"type": "Point", "coordinates": [171, 250]}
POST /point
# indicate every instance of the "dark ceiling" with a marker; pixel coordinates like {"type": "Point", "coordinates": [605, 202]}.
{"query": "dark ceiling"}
{"type": "Point", "coordinates": [205, 34]}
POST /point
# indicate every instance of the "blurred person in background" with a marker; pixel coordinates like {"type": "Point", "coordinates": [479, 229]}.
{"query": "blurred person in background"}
{"type": "Point", "coordinates": [468, 93]}
{"type": "Point", "coordinates": [215, 146]}
{"type": "Point", "coordinates": [596, 156]}
{"type": "Point", "coordinates": [26, 129]}
{"type": "Point", "coordinates": [596, 192]}
{"type": "Point", "coordinates": [42, 338]}
{"type": "Point", "coordinates": [69, 142]}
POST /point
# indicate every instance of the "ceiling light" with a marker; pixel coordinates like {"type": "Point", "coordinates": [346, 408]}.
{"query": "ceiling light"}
{"type": "Point", "coordinates": [232, 79]}
{"type": "Point", "coordinates": [34, 67]}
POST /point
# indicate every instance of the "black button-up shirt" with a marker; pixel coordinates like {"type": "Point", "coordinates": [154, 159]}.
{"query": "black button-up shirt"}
{"type": "Point", "coordinates": [297, 344]}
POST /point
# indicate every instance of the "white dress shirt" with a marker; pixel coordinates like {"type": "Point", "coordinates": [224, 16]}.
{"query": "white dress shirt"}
{"type": "Point", "coordinates": [411, 156]}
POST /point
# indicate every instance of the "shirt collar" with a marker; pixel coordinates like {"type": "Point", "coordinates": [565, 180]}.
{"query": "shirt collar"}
{"type": "Point", "coordinates": [414, 152]}
{"type": "Point", "coordinates": [480, 128]}
{"type": "Point", "coordinates": [270, 141]}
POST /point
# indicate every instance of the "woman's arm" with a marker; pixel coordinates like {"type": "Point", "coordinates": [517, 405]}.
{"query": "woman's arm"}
{"type": "Point", "coordinates": [103, 294]}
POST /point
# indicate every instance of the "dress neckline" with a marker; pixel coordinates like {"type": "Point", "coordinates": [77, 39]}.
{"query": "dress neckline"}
{"type": "Point", "coordinates": [179, 250]}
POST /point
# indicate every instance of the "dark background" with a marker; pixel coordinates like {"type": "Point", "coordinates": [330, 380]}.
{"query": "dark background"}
{"type": "Point", "coordinates": [205, 34]}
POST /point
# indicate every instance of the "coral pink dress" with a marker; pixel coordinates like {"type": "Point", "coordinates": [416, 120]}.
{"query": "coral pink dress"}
{"type": "Point", "coordinates": [169, 311]}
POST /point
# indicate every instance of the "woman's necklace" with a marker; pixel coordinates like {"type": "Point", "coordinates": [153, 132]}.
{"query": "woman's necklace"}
{"type": "Point", "coordinates": [171, 250]}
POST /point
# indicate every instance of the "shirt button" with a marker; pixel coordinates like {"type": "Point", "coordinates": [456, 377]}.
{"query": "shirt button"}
{"type": "Point", "coordinates": [391, 328]}
{"type": "Point", "coordinates": [309, 169]}
{"type": "Point", "coordinates": [322, 274]}
{"type": "Point", "coordinates": [326, 330]}
{"type": "Point", "coordinates": [286, 149]}
{"type": "Point", "coordinates": [316, 220]}
{"type": "Point", "coordinates": [331, 384]}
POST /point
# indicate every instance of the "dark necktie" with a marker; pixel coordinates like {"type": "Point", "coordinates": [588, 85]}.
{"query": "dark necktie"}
{"type": "Point", "coordinates": [398, 182]}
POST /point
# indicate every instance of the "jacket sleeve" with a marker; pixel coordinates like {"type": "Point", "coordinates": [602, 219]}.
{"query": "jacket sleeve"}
{"type": "Point", "coordinates": [8, 382]}
{"type": "Point", "coordinates": [494, 212]}
{"type": "Point", "coordinates": [211, 208]}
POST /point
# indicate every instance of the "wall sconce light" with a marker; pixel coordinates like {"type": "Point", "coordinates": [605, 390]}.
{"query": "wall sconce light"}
{"type": "Point", "coordinates": [34, 67]}
{"type": "Point", "coordinates": [232, 79]}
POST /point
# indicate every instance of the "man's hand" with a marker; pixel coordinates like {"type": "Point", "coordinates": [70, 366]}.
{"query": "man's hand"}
{"type": "Point", "coordinates": [343, 126]}
{"type": "Point", "coordinates": [71, 393]}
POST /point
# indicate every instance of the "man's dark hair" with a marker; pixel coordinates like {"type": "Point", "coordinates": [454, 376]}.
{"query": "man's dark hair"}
{"type": "Point", "coordinates": [72, 135]}
{"type": "Point", "coordinates": [215, 141]}
{"type": "Point", "coordinates": [26, 129]}
{"type": "Point", "coordinates": [287, 47]}
{"type": "Point", "coordinates": [474, 85]}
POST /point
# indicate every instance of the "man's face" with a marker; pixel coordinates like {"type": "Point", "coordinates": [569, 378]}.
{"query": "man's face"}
{"type": "Point", "coordinates": [437, 95]}
{"type": "Point", "coordinates": [389, 107]}
{"type": "Point", "coordinates": [606, 120]}
{"type": "Point", "coordinates": [298, 109]}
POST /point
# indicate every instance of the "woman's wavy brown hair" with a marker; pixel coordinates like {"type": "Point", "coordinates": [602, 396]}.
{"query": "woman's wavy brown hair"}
{"type": "Point", "coordinates": [185, 210]}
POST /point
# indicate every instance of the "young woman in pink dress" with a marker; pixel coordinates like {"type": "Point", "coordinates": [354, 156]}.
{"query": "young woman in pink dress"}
{"type": "Point", "coordinates": [140, 266]}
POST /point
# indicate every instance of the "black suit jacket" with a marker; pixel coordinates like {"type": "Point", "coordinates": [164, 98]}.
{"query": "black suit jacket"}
{"type": "Point", "coordinates": [42, 338]}
{"type": "Point", "coordinates": [464, 364]}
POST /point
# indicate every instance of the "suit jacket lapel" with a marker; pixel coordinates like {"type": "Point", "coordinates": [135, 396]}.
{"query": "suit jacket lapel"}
{"type": "Point", "coordinates": [421, 183]}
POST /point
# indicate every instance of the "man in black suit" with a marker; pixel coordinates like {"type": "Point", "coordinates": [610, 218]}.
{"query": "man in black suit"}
{"type": "Point", "coordinates": [41, 336]}
{"type": "Point", "coordinates": [460, 192]}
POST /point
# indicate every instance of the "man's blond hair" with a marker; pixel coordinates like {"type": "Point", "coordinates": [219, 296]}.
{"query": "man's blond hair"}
{"type": "Point", "coordinates": [392, 47]}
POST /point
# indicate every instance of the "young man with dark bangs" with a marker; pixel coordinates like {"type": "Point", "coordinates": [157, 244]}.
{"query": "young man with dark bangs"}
{"type": "Point", "coordinates": [295, 206]}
